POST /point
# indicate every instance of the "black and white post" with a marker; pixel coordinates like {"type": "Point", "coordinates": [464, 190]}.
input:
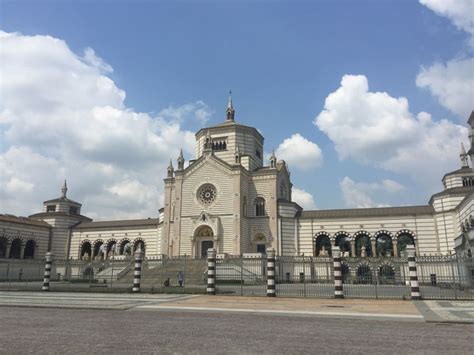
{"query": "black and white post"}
{"type": "Point", "coordinates": [47, 271]}
{"type": "Point", "coordinates": [414, 285]}
{"type": "Point", "coordinates": [211, 271]}
{"type": "Point", "coordinates": [338, 290]}
{"type": "Point", "coordinates": [271, 291]}
{"type": "Point", "coordinates": [137, 271]}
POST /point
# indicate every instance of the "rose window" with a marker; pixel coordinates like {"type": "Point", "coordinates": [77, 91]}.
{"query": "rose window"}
{"type": "Point", "coordinates": [207, 194]}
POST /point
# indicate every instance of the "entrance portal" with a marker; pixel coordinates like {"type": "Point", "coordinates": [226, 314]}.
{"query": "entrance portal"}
{"type": "Point", "coordinates": [205, 245]}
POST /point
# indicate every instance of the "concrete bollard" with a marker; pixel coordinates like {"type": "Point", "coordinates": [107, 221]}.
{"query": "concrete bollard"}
{"type": "Point", "coordinates": [271, 290]}
{"type": "Point", "coordinates": [47, 271]}
{"type": "Point", "coordinates": [414, 285]}
{"type": "Point", "coordinates": [137, 271]}
{"type": "Point", "coordinates": [338, 289]}
{"type": "Point", "coordinates": [211, 271]}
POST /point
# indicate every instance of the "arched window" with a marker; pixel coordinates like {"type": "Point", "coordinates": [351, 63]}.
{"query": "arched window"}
{"type": "Point", "coordinates": [29, 252]}
{"type": "Point", "coordinates": [362, 241]}
{"type": "Point", "coordinates": [15, 249]}
{"type": "Point", "coordinates": [139, 244]}
{"type": "Point", "coordinates": [260, 207]}
{"type": "Point", "coordinates": [403, 241]}
{"type": "Point", "coordinates": [3, 247]}
{"type": "Point", "coordinates": [86, 250]}
{"type": "Point", "coordinates": [344, 243]}
{"type": "Point", "coordinates": [98, 249]}
{"type": "Point", "coordinates": [112, 249]}
{"type": "Point", "coordinates": [322, 245]}
{"type": "Point", "coordinates": [384, 245]}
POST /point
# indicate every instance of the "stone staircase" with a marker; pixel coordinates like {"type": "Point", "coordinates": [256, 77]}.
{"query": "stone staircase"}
{"type": "Point", "coordinates": [155, 273]}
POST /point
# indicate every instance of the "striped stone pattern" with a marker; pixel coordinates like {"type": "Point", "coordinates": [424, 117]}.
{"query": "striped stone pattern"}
{"type": "Point", "coordinates": [338, 290]}
{"type": "Point", "coordinates": [137, 271]}
{"type": "Point", "coordinates": [47, 271]}
{"type": "Point", "coordinates": [414, 285]}
{"type": "Point", "coordinates": [211, 272]}
{"type": "Point", "coordinates": [271, 291]}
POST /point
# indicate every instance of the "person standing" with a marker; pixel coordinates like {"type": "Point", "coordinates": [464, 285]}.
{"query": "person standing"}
{"type": "Point", "coordinates": [180, 278]}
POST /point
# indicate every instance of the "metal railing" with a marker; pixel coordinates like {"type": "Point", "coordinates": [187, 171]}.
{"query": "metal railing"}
{"type": "Point", "coordinates": [440, 277]}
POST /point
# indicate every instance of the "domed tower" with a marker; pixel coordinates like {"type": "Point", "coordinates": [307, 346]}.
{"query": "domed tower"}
{"type": "Point", "coordinates": [62, 214]}
{"type": "Point", "coordinates": [225, 139]}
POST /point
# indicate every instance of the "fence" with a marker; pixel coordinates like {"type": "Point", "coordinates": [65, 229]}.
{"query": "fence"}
{"type": "Point", "coordinates": [439, 277]}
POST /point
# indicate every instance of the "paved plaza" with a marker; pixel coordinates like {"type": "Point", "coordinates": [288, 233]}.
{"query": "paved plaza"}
{"type": "Point", "coordinates": [72, 331]}
{"type": "Point", "coordinates": [419, 311]}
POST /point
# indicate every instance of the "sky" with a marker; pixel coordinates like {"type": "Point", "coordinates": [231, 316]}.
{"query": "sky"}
{"type": "Point", "coordinates": [367, 101]}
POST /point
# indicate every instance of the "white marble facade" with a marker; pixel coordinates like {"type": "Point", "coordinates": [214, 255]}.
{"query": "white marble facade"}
{"type": "Point", "coordinates": [229, 199]}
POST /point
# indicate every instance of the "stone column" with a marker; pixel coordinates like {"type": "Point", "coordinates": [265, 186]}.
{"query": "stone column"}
{"type": "Point", "coordinates": [338, 290]}
{"type": "Point", "coordinates": [7, 249]}
{"type": "Point", "coordinates": [47, 271]}
{"type": "Point", "coordinates": [373, 243]}
{"type": "Point", "coordinates": [271, 291]}
{"type": "Point", "coordinates": [414, 285]}
{"type": "Point", "coordinates": [22, 250]}
{"type": "Point", "coordinates": [353, 248]}
{"type": "Point", "coordinates": [137, 271]}
{"type": "Point", "coordinates": [395, 247]}
{"type": "Point", "coordinates": [211, 271]}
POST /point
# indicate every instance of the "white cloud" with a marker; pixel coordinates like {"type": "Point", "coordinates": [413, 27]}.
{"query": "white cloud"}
{"type": "Point", "coordinates": [459, 12]}
{"type": "Point", "coordinates": [451, 83]}
{"type": "Point", "coordinates": [377, 129]}
{"type": "Point", "coordinates": [300, 153]}
{"type": "Point", "coordinates": [61, 116]}
{"type": "Point", "coordinates": [303, 198]}
{"type": "Point", "coordinates": [361, 194]}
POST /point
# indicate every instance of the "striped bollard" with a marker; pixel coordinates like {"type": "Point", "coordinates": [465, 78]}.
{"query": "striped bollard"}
{"type": "Point", "coordinates": [211, 271]}
{"type": "Point", "coordinates": [414, 285]}
{"type": "Point", "coordinates": [338, 290]}
{"type": "Point", "coordinates": [271, 291]}
{"type": "Point", "coordinates": [137, 271]}
{"type": "Point", "coordinates": [47, 271]}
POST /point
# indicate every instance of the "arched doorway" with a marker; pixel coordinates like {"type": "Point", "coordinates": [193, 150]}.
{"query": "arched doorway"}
{"type": "Point", "coordinates": [205, 240]}
{"type": "Point", "coordinates": [29, 249]}
{"type": "Point", "coordinates": [384, 245]}
{"type": "Point", "coordinates": [363, 240]}
{"type": "Point", "coordinates": [86, 250]}
{"type": "Point", "coordinates": [364, 274]}
{"type": "Point", "coordinates": [386, 274]}
{"type": "Point", "coordinates": [403, 241]}
{"type": "Point", "coordinates": [322, 245]}
{"type": "Point", "coordinates": [15, 249]}
{"type": "Point", "coordinates": [3, 247]}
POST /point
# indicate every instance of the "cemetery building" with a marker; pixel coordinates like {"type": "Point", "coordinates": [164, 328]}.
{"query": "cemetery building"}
{"type": "Point", "coordinates": [231, 199]}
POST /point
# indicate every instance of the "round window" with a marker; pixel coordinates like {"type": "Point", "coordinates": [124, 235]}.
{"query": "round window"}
{"type": "Point", "coordinates": [207, 194]}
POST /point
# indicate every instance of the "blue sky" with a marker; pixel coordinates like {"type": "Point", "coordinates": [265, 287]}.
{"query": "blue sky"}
{"type": "Point", "coordinates": [281, 59]}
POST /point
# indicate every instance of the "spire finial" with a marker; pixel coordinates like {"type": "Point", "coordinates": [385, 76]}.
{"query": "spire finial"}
{"type": "Point", "coordinates": [464, 158]}
{"type": "Point", "coordinates": [181, 160]}
{"type": "Point", "coordinates": [64, 189]}
{"type": "Point", "coordinates": [273, 159]}
{"type": "Point", "coordinates": [229, 102]}
{"type": "Point", "coordinates": [230, 108]}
